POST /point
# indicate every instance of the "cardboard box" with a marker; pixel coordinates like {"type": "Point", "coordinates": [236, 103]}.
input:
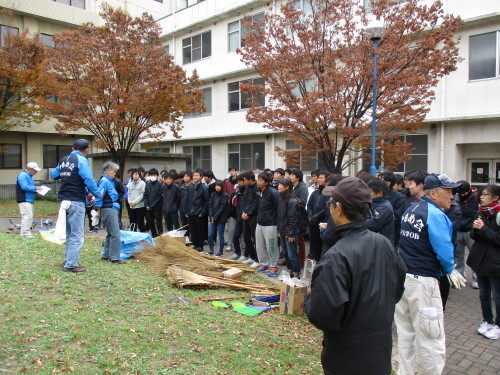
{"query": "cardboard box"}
{"type": "Point", "coordinates": [292, 299]}
{"type": "Point", "coordinates": [233, 273]}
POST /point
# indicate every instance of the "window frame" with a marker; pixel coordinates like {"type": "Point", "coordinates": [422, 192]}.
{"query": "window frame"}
{"type": "Point", "coordinates": [8, 32]}
{"type": "Point", "coordinates": [239, 30]}
{"type": "Point", "coordinates": [71, 3]}
{"type": "Point", "coordinates": [253, 162]}
{"type": "Point", "coordinates": [59, 152]}
{"type": "Point", "coordinates": [202, 148]}
{"type": "Point", "coordinates": [304, 161]}
{"type": "Point", "coordinates": [242, 103]}
{"type": "Point", "coordinates": [208, 105]}
{"type": "Point", "coordinates": [496, 54]}
{"type": "Point", "coordinates": [19, 154]}
{"type": "Point", "coordinates": [185, 46]}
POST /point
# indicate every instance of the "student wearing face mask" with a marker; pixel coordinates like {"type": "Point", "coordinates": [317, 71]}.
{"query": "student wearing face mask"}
{"type": "Point", "coordinates": [153, 203]}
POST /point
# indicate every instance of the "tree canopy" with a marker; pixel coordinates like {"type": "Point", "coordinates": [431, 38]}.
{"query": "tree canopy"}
{"type": "Point", "coordinates": [117, 82]}
{"type": "Point", "coordinates": [318, 71]}
{"type": "Point", "coordinates": [21, 56]}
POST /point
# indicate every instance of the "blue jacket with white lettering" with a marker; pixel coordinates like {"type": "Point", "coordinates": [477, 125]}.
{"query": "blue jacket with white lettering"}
{"type": "Point", "coordinates": [110, 195]}
{"type": "Point", "coordinates": [75, 173]}
{"type": "Point", "coordinates": [425, 243]}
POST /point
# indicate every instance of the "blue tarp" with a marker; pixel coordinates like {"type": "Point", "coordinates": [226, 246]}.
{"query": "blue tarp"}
{"type": "Point", "coordinates": [132, 242]}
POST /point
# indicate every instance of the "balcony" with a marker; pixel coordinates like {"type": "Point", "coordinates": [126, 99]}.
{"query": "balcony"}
{"type": "Point", "coordinates": [205, 13]}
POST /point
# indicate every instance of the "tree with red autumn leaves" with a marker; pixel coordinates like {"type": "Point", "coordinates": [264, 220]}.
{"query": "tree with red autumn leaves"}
{"type": "Point", "coordinates": [21, 56]}
{"type": "Point", "coordinates": [318, 73]}
{"type": "Point", "coordinates": [117, 82]}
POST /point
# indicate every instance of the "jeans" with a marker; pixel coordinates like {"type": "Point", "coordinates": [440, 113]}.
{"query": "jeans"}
{"type": "Point", "coordinates": [291, 251]}
{"type": "Point", "coordinates": [489, 286]}
{"type": "Point", "coordinates": [75, 223]}
{"type": "Point", "coordinates": [238, 230]}
{"type": "Point", "coordinates": [219, 228]}
{"type": "Point", "coordinates": [110, 218]}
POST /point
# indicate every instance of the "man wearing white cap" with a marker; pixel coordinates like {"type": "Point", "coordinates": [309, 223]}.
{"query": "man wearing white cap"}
{"type": "Point", "coordinates": [25, 195]}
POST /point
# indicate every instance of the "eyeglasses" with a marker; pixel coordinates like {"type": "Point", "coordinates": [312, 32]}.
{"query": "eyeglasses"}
{"type": "Point", "coordinates": [331, 202]}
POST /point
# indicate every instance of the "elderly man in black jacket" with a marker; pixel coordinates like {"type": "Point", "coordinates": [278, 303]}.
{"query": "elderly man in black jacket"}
{"type": "Point", "coordinates": [355, 288]}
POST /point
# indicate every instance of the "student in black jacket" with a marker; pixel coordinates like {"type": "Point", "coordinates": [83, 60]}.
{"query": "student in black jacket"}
{"type": "Point", "coordinates": [316, 212]}
{"type": "Point", "coordinates": [187, 179]}
{"type": "Point", "coordinates": [170, 191]}
{"type": "Point", "coordinates": [249, 216]}
{"type": "Point", "coordinates": [381, 217]}
{"type": "Point", "coordinates": [397, 202]}
{"type": "Point", "coordinates": [153, 203]}
{"type": "Point", "coordinates": [217, 215]}
{"type": "Point", "coordinates": [197, 203]}
{"type": "Point", "coordinates": [288, 231]}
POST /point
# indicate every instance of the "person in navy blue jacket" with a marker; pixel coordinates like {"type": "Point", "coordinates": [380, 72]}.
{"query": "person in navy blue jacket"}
{"type": "Point", "coordinates": [217, 214]}
{"type": "Point", "coordinates": [153, 203]}
{"type": "Point", "coordinates": [316, 206]}
{"type": "Point", "coordinates": [381, 219]}
{"type": "Point", "coordinates": [426, 248]}
{"type": "Point", "coordinates": [109, 207]}
{"type": "Point", "coordinates": [76, 175]}
{"type": "Point", "coordinates": [25, 196]}
{"type": "Point", "coordinates": [397, 201]}
{"type": "Point", "coordinates": [197, 210]}
{"type": "Point", "coordinates": [170, 191]}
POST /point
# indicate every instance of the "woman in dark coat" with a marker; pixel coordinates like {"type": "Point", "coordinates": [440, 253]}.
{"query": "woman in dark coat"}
{"type": "Point", "coordinates": [287, 226]}
{"type": "Point", "coordinates": [484, 259]}
{"type": "Point", "coordinates": [217, 213]}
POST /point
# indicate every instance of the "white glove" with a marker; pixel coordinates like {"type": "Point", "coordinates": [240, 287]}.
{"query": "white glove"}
{"type": "Point", "coordinates": [456, 279]}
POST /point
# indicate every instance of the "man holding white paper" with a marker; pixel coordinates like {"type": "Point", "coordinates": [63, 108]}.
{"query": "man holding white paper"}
{"type": "Point", "coordinates": [25, 196]}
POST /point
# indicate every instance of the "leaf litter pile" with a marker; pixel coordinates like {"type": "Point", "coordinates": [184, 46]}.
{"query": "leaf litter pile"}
{"type": "Point", "coordinates": [186, 267]}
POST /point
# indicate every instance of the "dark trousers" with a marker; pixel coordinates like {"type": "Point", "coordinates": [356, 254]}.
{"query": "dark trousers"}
{"type": "Point", "coordinates": [136, 216]}
{"type": "Point", "coordinates": [171, 220]}
{"type": "Point", "coordinates": [444, 289]}
{"type": "Point", "coordinates": [199, 230]}
{"type": "Point", "coordinates": [88, 210]}
{"type": "Point", "coordinates": [238, 230]}
{"type": "Point", "coordinates": [315, 242]}
{"type": "Point", "coordinates": [155, 222]}
{"type": "Point", "coordinates": [302, 249]}
{"type": "Point", "coordinates": [489, 286]}
{"type": "Point", "coordinates": [184, 222]}
{"type": "Point", "coordinates": [249, 236]}
{"type": "Point", "coordinates": [127, 205]}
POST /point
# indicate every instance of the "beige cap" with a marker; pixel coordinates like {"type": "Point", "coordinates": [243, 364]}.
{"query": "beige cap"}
{"type": "Point", "coordinates": [33, 165]}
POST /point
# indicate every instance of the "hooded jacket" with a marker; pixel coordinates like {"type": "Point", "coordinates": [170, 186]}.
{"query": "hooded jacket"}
{"type": "Point", "coordinates": [354, 291]}
{"type": "Point", "coordinates": [301, 192]}
{"type": "Point", "coordinates": [251, 200]}
{"type": "Point", "coordinates": [267, 213]}
{"type": "Point", "coordinates": [288, 216]}
{"type": "Point", "coordinates": [469, 207]}
{"type": "Point", "coordinates": [217, 207]}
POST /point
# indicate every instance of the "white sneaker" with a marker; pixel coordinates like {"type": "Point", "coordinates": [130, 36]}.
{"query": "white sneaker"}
{"type": "Point", "coordinates": [229, 248]}
{"type": "Point", "coordinates": [484, 328]}
{"type": "Point", "coordinates": [474, 285]}
{"type": "Point", "coordinates": [248, 260]}
{"type": "Point", "coordinates": [493, 334]}
{"type": "Point", "coordinates": [255, 265]}
{"type": "Point", "coordinates": [241, 258]}
{"type": "Point", "coordinates": [234, 257]}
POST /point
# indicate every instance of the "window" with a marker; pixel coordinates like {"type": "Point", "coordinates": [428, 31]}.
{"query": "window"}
{"type": "Point", "coordinates": [419, 156]}
{"type": "Point", "coordinates": [167, 49]}
{"type": "Point", "coordinates": [305, 6]}
{"type": "Point", "coordinates": [483, 56]}
{"type": "Point", "coordinates": [236, 31]}
{"type": "Point", "coordinates": [305, 163]}
{"type": "Point", "coordinates": [74, 3]}
{"type": "Point", "coordinates": [10, 156]}
{"type": "Point", "coordinates": [197, 47]}
{"type": "Point", "coordinates": [201, 157]}
{"type": "Point", "coordinates": [47, 40]}
{"type": "Point", "coordinates": [53, 153]}
{"type": "Point", "coordinates": [238, 100]}
{"type": "Point", "coordinates": [159, 1]}
{"type": "Point", "coordinates": [161, 150]}
{"type": "Point", "coordinates": [5, 32]}
{"type": "Point", "coordinates": [247, 156]}
{"type": "Point", "coordinates": [207, 98]}
{"type": "Point", "coordinates": [187, 3]}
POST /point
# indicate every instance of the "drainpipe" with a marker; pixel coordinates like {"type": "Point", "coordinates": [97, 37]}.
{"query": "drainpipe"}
{"type": "Point", "coordinates": [441, 149]}
{"type": "Point", "coordinates": [273, 144]}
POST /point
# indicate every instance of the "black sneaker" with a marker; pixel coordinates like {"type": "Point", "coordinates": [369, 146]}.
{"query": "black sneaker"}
{"type": "Point", "coordinates": [105, 259]}
{"type": "Point", "coordinates": [74, 269]}
{"type": "Point", "coordinates": [118, 261]}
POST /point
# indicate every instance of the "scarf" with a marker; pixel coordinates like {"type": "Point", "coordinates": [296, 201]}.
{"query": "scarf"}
{"type": "Point", "coordinates": [491, 209]}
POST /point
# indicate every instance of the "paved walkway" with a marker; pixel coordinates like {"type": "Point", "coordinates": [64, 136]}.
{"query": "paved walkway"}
{"type": "Point", "coordinates": [467, 352]}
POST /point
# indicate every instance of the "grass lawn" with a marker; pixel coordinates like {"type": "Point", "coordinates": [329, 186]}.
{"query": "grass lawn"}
{"type": "Point", "coordinates": [43, 208]}
{"type": "Point", "coordinates": [125, 319]}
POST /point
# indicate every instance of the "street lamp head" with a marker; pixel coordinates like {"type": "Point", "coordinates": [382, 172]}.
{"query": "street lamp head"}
{"type": "Point", "coordinates": [375, 27]}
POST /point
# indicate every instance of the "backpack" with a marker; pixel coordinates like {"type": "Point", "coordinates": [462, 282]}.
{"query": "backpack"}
{"type": "Point", "coordinates": [303, 221]}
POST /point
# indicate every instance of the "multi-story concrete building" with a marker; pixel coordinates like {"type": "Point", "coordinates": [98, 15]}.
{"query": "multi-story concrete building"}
{"type": "Point", "coordinates": [460, 137]}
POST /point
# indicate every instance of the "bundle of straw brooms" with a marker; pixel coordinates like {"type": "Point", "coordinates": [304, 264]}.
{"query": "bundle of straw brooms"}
{"type": "Point", "coordinates": [185, 267]}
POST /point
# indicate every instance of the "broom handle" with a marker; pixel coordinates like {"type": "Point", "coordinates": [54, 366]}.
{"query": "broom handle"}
{"type": "Point", "coordinates": [220, 299]}
{"type": "Point", "coordinates": [241, 282]}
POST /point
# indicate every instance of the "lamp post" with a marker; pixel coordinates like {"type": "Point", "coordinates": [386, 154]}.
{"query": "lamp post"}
{"type": "Point", "coordinates": [375, 29]}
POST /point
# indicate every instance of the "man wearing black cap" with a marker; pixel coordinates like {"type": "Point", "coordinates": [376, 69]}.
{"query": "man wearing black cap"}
{"type": "Point", "coordinates": [355, 287]}
{"type": "Point", "coordinates": [426, 248]}
{"type": "Point", "coordinates": [76, 175]}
